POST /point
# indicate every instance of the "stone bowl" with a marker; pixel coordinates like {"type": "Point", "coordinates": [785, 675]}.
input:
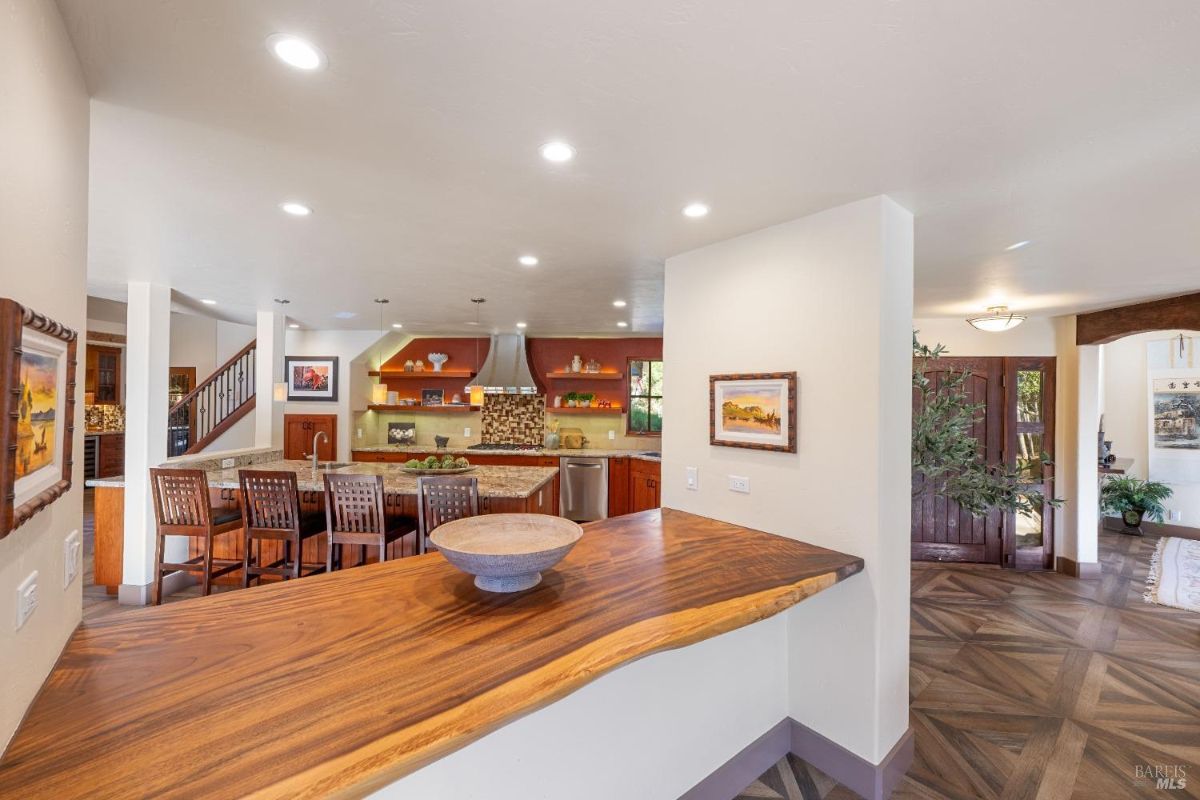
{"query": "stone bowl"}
{"type": "Point", "coordinates": [506, 552]}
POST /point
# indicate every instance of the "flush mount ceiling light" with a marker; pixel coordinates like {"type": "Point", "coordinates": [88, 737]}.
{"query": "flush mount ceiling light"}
{"type": "Point", "coordinates": [618, 303]}
{"type": "Point", "coordinates": [208, 302]}
{"type": "Point", "coordinates": [296, 209]}
{"type": "Point", "coordinates": [558, 152]}
{"type": "Point", "coordinates": [528, 261]}
{"type": "Point", "coordinates": [1017, 245]}
{"type": "Point", "coordinates": [695, 210]}
{"type": "Point", "coordinates": [999, 318]}
{"type": "Point", "coordinates": [295, 52]}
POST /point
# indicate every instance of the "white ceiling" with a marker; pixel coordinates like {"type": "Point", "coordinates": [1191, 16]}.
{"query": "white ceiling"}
{"type": "Point", "coordinates": [1075, 124]}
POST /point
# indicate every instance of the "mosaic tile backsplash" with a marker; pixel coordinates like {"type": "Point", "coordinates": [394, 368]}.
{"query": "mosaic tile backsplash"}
{"type": "Point", "coordinates": [514, 418]}
{"type": "Point", "coordinates": [104, 418]}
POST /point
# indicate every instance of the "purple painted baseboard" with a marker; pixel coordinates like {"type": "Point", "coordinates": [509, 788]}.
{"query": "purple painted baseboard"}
{"type": "Point", "coordinates": [729, 779]}
{"type": "Point", "coordinates": [872, 781]}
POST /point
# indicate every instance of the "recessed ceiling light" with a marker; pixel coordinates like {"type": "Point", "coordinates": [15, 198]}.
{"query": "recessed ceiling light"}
{"type": "Point", "coordinates": [521, 325]}
{"type": "Point", "coordinates": [622, 324]}
{"type": "Point", "coordinates": [345, 315]}
{"type": "Point", "coordinates": [618, 303]}
{"type": "Point", "coordinates": [557, 152]}
{"type": "Point", "coordinates": [397, 325]}
{"type": "Point", "coordinates": [208, 302]}
{"type": "Point", "coordinates": [293, 325]}
{"type": "Point", "coordinates": [695, 210]}
{"type": "Point", "coordinates": [296, 209]}
{"type": "Point", "coordinates": [296, 52]}
{"type": "Point", "coordinates": [528, 261]}
{"type": "Point", "coordinates": [1018, 245]}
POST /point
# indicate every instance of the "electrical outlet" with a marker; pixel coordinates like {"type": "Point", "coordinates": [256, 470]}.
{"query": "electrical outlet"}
{"type": "Point", "coordinates": [1176, 515]}
{"type": "Point", "coordinates": [72, 547]}
{"type": "Point", "coordinates": [466, 433]}
{"type": "Point", "coordinates": [27, 599]}
{"type": "Point", "coordinates": [358, 433]}
{"type": "Point", "coordinates": [739, 483]}
{"type": "Point", "coordinates": [612, 436]}
{"type": "Point", "coordinates": [693, 478]}
{"type": "Point", "coordinates": [228, 463]}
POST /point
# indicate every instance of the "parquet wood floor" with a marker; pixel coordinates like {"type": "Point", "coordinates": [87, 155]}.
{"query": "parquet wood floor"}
{"type": "Point", "coordinates": [1040, 686]}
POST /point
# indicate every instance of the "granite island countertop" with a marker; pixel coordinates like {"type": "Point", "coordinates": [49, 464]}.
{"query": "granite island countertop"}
{"type": "Point", "coordinates": [588, 452]}
{"type": "Point", "coordinates": [511, 482]}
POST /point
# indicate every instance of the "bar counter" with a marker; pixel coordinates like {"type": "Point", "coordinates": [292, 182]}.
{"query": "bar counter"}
{"type": "Point", "coordinates": [341, 684]}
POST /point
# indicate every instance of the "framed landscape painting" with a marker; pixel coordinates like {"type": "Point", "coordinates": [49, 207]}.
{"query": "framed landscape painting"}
{"type": "Point", "coordinates": [754, 410]}
{"type": "Point", "coordinates": [311, 377]}
{"type": "Point", "coordinates": [37, 423]}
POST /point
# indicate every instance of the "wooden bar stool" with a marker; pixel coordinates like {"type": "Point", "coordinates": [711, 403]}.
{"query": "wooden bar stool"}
{"type": "Point", "coordinates": [271, 508]}
{"type": "Point", "coordinates": [354, 515]}
{"type": "Point", "coordinates": [182, 508]}
{"type": "Point", "coordinates": [442, 499]}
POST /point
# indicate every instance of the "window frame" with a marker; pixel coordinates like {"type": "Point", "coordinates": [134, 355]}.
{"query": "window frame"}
{"type": "Point", "coordinates": [629, 397]}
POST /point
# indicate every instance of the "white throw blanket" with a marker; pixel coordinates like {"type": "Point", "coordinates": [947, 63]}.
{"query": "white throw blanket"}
{"type": "Point", "coordinates": [1175, 574]}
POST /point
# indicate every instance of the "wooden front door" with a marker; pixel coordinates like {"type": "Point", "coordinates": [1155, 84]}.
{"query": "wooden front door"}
{"type": "Point", "coordinates": [941, 531]}
{"type": "Point", "coordinates": [1016, 427]}
{"type": "Point", "coordinates": [298, 433]}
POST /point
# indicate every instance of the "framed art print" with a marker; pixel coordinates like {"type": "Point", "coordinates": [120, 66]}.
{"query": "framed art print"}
{"type": "Point", "coordinates": [37, 425]}
{"type": "Point", "coordinates": [754, 410]}
{"type": "Point", "coordinates": [433, 397]}
{"type": "Point", "coordinates": [311, 377]}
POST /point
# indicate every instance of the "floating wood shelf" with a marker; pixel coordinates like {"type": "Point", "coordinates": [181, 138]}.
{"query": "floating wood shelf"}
{"type": "Point", "coordinates": [584, 410]}
{"type": "Point", "coordinates": [447, 409]}
{"type": "Point", "coordinates": [424, 375]}
{"type": "Point", "coordinates": [586, 376]}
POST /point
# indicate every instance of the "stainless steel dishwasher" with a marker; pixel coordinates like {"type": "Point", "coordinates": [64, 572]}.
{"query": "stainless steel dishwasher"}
{"type": "Point", "coordinates": [583, 488]}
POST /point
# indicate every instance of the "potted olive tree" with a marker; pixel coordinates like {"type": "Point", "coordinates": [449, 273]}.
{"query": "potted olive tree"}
{"type": "Point", "coordinates": [1134, 499]}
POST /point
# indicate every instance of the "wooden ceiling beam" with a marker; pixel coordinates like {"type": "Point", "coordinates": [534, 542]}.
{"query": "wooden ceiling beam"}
{"type": "Point", "coordinates": [1171, 313]}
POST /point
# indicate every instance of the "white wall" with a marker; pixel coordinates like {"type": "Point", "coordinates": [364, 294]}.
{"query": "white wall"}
{"type": "Point", "coordinates": [357, 354]}
{"type": "Point", "coordinates": [43, 258]}
{"type": "Point", "coordinates": [650, 730]}
{"type": "Point", "coordinates": [1126, 406]}
{"type": "Point", "coordinates": [829, 296]}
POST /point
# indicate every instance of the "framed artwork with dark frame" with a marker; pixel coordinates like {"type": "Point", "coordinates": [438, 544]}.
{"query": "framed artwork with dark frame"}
{"type": "Point", "coordinates": [755, 410]}
{"type": "Point", "coordinates": [311, 378]}
{"type": "Point", "coordinates": [37, 422]}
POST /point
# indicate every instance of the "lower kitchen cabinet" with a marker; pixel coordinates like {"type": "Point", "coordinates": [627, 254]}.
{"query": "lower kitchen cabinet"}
{"type": "Point", "coordinates": [110, 459]}
{"type": "Point", "coordinates": [644, 489]}
{"type": "Point", "coordinates": [618, 486]}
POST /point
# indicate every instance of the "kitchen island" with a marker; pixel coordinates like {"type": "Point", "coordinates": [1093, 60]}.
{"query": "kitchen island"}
{"type": "Point", "coordinates": [341, 684]}
{"type": "Point", "coordinates": [502, 489]}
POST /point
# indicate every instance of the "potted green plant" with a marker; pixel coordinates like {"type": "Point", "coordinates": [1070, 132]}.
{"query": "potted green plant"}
{"type": "Point", "coordinates": [572, 399]}
{"type": "Point", "coordinates": [585, 399]}
{"type": "Point", "coordinates": [1134, 499]}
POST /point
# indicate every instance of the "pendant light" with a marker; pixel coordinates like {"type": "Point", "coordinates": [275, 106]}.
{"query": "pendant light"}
{"type": "Point", "coordinates": [379, 392]}
{"type": "Point", "coordinates": [998, 319]}
{"type": "Point", "coordinates": [476, 388]}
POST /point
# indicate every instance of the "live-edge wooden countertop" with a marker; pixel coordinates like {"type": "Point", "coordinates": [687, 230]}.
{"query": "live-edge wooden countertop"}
{"type": "Point", "coordinates": [335, 685]}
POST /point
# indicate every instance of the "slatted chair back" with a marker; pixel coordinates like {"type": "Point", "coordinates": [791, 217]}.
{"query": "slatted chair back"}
{"type": "Point", "coordinates": [270, 500]}
{"type": "Point", "coordinates": [354, 504]}
{"type": "Point", "coordinates": [445, 498]}
{"type": "Point", "coordinates": [180, 501]}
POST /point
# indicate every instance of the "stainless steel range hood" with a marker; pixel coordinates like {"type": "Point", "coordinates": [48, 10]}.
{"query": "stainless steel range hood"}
{"type": "Point", "coordinates": [506, 368]}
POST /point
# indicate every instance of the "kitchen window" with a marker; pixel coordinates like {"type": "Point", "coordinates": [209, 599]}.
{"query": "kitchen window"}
{"type": "Point", "coordinates": [645, 397]}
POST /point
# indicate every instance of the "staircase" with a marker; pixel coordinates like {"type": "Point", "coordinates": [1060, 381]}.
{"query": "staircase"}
{"type": "Point", "coordinates": [212, 408]}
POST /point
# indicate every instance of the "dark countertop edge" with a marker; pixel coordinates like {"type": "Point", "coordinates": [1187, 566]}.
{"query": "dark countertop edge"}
{"type": "Point", "coordinates": [465, 451]}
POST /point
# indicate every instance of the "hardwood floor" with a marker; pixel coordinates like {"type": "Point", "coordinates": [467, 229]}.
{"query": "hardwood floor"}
{"type": "Point", "coordinates": [1036, 685]}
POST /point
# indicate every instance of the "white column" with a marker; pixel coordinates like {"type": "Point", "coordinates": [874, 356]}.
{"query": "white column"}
{"type": "Point", "coordinates": [1087, 517]}
{"type": "Point", "coordinates": [268, 370]}
{"type": "Point", "coordinates": [147, 363]}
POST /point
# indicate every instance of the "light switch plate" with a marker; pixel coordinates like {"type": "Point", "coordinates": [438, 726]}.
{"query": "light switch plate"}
{"type": "Point", "coordinates": [693, 478]}
{"type": "Point", "coordinates": [227, 463]}
{"type": "Point", "coordinates": [358, 432]}
{"type": "Point", "coordinates": [1176, 515]}
{"type": "Point", "coordinates": [72, 549]}
{"type": "Point", "coordinates": [27, 599]}
{"type": "Point", "coordinates": [612, 436]}
{"type": "Point", "coordinates": [466, 433]}
{"type": "Point", "coordinates": [739, 483]}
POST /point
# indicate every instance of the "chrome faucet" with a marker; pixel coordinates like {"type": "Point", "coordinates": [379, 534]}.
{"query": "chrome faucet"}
{"type": "Point", "coordinates": [316, 458]}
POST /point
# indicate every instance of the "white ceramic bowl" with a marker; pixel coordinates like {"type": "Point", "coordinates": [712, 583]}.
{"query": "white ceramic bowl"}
{"type": "Point", "coordinates": [506, 552]}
